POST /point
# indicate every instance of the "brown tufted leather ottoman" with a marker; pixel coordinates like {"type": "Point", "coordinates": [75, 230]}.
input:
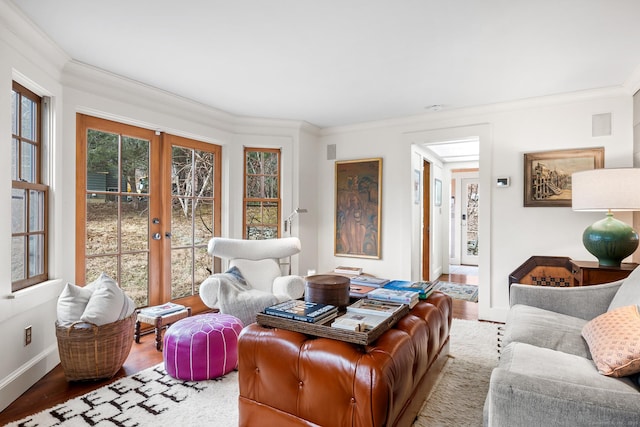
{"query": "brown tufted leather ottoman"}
{"type": "Point", "coordinates": [290, 379]}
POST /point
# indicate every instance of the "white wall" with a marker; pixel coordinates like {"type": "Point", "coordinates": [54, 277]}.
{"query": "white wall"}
{"type": "Point", "coordinates": [509, 233]}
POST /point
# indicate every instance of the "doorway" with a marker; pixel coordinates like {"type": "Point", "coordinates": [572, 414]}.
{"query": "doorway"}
{"type": "Point", "coordinates": [452, 160]}
{"type": "Point", "coordinates": [147, 204]}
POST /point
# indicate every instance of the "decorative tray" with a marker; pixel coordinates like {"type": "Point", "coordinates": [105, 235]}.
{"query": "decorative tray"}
{"type": "Point", "coordinates": [326, 331]}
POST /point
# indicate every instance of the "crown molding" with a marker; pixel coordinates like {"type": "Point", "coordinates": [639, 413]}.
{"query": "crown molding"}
{"type": "Point", "coordinates": [482, 110]}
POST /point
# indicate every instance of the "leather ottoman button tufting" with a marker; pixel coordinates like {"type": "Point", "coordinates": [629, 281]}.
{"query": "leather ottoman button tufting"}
{"type": "Point", "coordinates": [202, 347]}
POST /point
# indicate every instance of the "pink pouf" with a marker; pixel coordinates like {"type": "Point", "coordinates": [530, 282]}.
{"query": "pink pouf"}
{"type": "Point", "coordinates": [202, 347]}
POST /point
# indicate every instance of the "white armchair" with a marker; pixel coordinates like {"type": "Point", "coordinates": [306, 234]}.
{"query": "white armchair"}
{"type": "Point", "coordinates": [254, 279]}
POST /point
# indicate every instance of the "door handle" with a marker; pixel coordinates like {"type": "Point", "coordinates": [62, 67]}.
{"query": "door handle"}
{"type": "Point", "coordinates": [156, 236]}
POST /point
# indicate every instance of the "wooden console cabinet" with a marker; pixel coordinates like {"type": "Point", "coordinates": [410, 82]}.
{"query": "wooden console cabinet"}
{"type": "Point", "coordinates": [591, 273]}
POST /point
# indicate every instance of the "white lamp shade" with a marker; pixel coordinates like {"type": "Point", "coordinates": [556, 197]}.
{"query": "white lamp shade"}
{"type": "Point", "coordinates": [606, 189]}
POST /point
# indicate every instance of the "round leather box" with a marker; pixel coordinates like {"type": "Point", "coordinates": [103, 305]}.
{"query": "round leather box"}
{"type": "Point", "coordinates": [328, 289]}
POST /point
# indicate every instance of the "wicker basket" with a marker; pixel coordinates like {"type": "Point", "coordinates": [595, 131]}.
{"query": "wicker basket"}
{"type": "Point", "coordinates": [91, 352]}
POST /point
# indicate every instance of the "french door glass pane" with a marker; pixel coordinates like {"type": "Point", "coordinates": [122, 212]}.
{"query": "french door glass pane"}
{"type": "Point", "coordinates": [102, 264]}
{"type": "Point", "coordinates": [181, 171]}
{"type": "Point", "coordinates": [181, 273]}
{"type": "Point", "coordinates": [102, 160]}
{"type": "Point", "coordinates": [135, 165]}
{"type": "Point", "coordinates": [204, 173]}
{"type": "Point", "coordinates": [203, 266]}
{"type": "Point", "coordinates": [135, 223]}
{"type": "Point", "coordinates": [102, 224]}
{"type": "Point", "coordinates": [181, 222]}
{"type": "Point", "coordinates": [135, 276]}
{"type": "Point", "coordinates": [203, 222]}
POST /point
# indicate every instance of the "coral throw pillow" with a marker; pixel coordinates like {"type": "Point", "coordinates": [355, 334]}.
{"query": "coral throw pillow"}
{"type": "Point", "coordinates": [614, 341]}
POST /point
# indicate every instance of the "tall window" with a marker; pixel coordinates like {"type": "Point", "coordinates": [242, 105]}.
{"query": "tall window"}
{"type": "Point", "coordinates": [262, 193]}
{"type": "Point", "coordinates": [28, 194]}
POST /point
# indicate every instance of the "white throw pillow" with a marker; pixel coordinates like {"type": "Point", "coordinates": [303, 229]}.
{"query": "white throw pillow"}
{"type": "Point", "coordinates": [106, 303]}
{"type": "Point", "coordinates": [72, 303]}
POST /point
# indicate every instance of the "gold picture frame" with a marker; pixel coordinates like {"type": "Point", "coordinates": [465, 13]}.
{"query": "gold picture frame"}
{"type": "Point", "coordinates": [358, 206]}
{"type": "Point", "coordinates": [547, 174]}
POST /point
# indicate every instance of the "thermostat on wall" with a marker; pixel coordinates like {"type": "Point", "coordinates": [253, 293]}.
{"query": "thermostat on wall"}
{"type": "Point", "coordinates": [503, 182]}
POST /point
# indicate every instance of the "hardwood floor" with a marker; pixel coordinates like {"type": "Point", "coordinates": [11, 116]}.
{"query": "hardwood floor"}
{"type": "Point", "coordinates": [53, 387]}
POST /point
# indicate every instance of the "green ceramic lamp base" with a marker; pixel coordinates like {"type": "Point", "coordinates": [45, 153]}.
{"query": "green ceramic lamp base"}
{"type": "Point", "coordinates": [610, 240]}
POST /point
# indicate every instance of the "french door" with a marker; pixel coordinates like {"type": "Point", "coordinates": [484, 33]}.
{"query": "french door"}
{"type": "Point", "coordinates": [147, 204]}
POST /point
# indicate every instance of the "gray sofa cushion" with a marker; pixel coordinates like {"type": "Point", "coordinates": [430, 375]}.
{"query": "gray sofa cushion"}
{"type": "Point", "coordinates": [547, 329]}
{"type": "Point", "coordinates": [535, 386]}
{"type": "Point", "coordinates": [629, 292]}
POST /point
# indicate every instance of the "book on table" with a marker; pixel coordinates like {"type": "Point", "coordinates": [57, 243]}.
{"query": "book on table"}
{"type": "Point", "coordinates": [304, 311]}
{"type": "Point", "coordinates": [360, 291]}
{"type": "Point", "coordinates": [348, 270]}
{"type": "Point", "coordinates": [403, 297]}
{"type": "Point", "coordinates": [368, 281]}
{"type": "Point", "coordinates": [161, 310]}
{"type": "Point", "coordinates": [424, 289]}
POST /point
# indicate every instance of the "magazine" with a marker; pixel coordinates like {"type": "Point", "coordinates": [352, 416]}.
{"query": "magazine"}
{"type": "Point", "coordinates": [161, 310]}
{"type": "Point", "coordinates": [311, 312]}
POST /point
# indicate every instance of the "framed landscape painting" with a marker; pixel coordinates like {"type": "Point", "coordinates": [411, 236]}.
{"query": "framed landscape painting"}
{"type": "Point", "coordinates": [547, 174]}
{"type": "Point", "coordinates": [358, 205]}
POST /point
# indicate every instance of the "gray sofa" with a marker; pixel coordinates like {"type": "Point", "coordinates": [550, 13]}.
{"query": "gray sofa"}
{"type": "Point", "coordinates": [546, 375]}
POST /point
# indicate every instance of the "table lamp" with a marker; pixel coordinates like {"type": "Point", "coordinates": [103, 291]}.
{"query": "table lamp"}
{"type": "Point", "coordinates": [609, 239]}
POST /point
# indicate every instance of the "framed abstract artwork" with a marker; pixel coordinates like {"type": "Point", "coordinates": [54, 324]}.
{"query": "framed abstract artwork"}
{"type": "Point", "coordinates": [358, 205]}
{"type": "Point", "coordinates": [547, 174]}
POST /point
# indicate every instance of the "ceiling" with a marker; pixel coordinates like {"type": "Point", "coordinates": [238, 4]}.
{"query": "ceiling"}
{"type": "Point", "coordinates": [340, 62]}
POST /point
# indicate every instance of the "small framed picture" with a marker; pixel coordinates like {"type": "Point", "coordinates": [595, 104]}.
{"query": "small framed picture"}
{"type": "Point", "coordinates": [437, 189]}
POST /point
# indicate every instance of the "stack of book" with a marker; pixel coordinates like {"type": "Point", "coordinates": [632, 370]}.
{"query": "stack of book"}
{"type": "Point", "coordinates": [366, 314]}
{"type": "Point", "coordinates": [402, 297]}
{"type": "Point", "coordinates": [424, 289]}
{"type": "Point", "coordinates": [161, 310]}
{"type": "Point", "coordinates": [304, 311]}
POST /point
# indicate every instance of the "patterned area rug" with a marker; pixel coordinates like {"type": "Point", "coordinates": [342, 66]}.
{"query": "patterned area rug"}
{"type": "Point", "coordinates": [151, 397]}
{"type": "Point", "coordinates": [459, 291]}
